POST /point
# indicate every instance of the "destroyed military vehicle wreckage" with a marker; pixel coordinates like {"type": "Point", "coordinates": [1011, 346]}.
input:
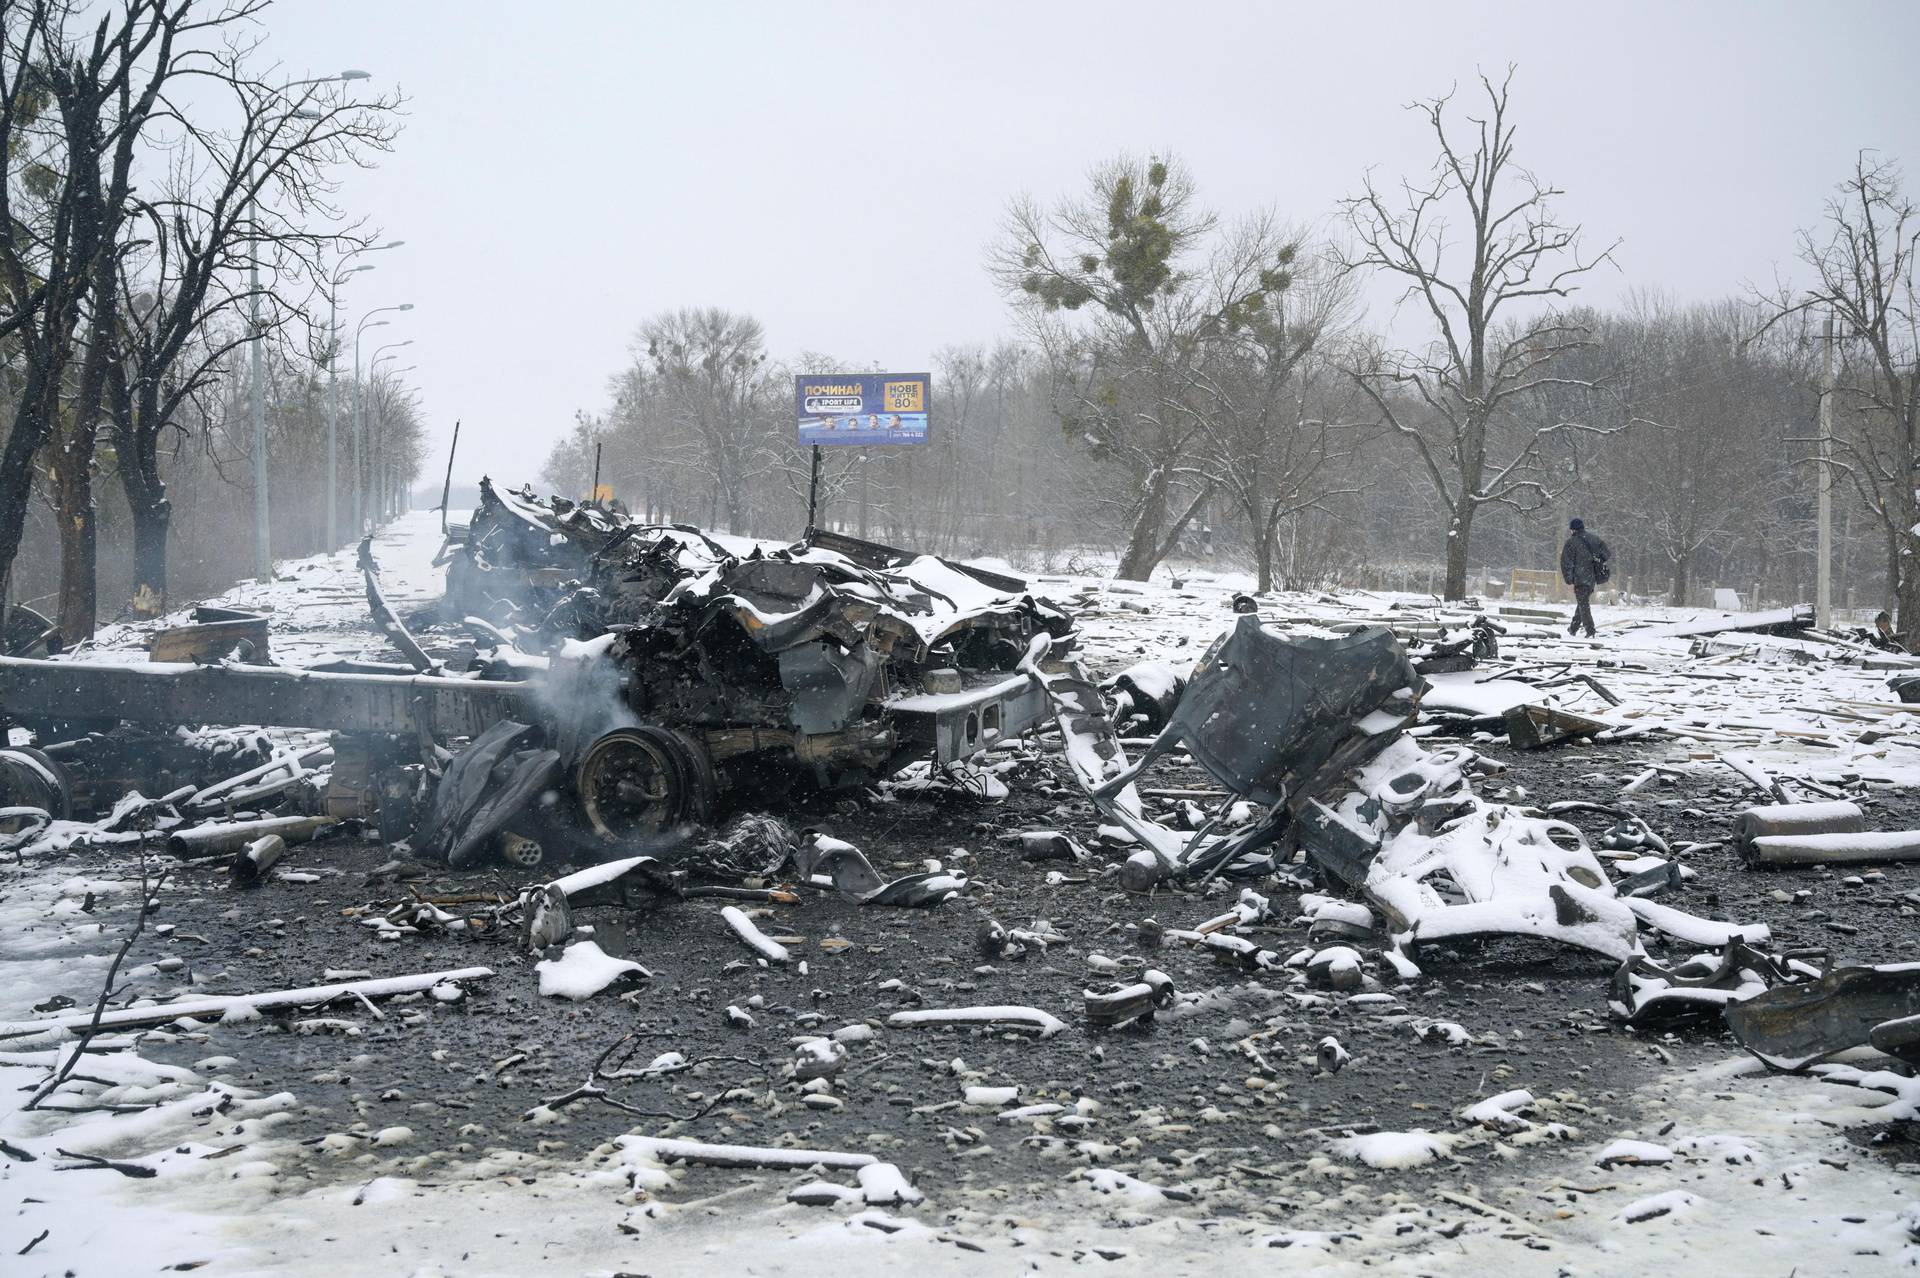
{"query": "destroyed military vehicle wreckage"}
{"type": "Point", "coordinates": [648, 674]}
{"type": "Point", "coordinates": [681, 673]}
{"type": "Point", "coordinates": [618, 685]}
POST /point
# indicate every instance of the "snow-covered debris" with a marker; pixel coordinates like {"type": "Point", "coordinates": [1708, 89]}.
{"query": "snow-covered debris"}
{"type": "Point", "coordinates": [1395, 1151]}
{"type": "Point", "coordinates": [883, 1185]}
{"type": "Point", "coordinates": [1018, 1017]}
{"type": "Point", "coordinates": [1672, 1203]}
{"type": "Point", "coordinates": [1503, 1113]}
{"type": "Point", "coordinates": [583, 970]}
{"type": "Point", "coordinates": [1337, 967]}
{"type": "Point", "coordinates": [1633, 1153]}
{"type": "Point", "coordinates": [754, 939]}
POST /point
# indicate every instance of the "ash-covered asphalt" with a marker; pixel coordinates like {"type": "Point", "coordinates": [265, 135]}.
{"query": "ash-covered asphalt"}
{"type": "Point", "coordinates": [1536, 1011]}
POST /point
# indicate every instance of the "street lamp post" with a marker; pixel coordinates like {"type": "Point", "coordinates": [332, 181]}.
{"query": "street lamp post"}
{"type": "Point", "coordinates": [359, 402]}
{"type": "Point", "coordinates": [333, 385]}
{"type": "Point", "coordinates": [262, 527]}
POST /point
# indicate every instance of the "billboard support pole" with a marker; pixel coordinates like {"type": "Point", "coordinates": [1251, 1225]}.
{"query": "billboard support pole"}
{"type": "Point", "coordinates": [813, 491]}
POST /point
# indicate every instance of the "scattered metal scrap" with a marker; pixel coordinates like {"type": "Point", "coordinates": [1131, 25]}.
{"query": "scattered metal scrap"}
{"type": "Point", "coordinates": [216, 633]}
{"type": "Point", "coordinates": [1648, 993]}
{"type": "Point", "coordinates": [1534, 727]}
{"type": "Point", "coordinates": [1125, 1003]}
{"type": "Point", "coordinates": [1274, 719]}
{"type": "Point", "coordinates": [630, 681]}
{"type": "Point", "coordinates": [243, 1005]}
{"type": "Point", "coordinates": [1793, 1026]}
{"type": "Point", "coordinates": [384, 617]}
{"type": "Point", "coordinates": [1312, 729]}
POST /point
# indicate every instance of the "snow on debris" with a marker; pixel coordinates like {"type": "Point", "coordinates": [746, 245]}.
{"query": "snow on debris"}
{"type": "Point", "coordinates": [583, 970]}
{"type": "Point", "coordinates": [1395, 1151]}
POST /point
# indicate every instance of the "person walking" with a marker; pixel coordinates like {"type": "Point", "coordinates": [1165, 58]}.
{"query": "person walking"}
{"type": "Point", "coordinates": [1583, 565]}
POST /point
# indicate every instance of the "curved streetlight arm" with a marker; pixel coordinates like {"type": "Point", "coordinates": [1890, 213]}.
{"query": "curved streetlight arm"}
{"type": "Point", "coordinates": [378, 310]}
{"type": "Point", "coordinates": [350, 254]}
{"type": "Point", "coordinates": [331, 79]}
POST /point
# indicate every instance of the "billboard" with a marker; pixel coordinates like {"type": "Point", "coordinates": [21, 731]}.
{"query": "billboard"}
{"type": "Point", "coordinates": [862, 408]}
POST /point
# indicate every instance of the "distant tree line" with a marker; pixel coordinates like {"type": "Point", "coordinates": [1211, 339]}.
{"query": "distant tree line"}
{"type": "Point", "coordinates": [1185, 387]}
{"type": "Point", "coordinates": [165, 204]}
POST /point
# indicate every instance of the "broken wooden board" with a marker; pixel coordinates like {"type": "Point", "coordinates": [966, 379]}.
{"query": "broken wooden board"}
{"type": "Point", "coordinates": [214, 634]}
{"type": "Point", "coordinates": [1535, 727]}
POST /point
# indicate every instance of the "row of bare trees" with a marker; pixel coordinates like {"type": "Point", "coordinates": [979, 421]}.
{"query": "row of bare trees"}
{"type": "Point", "coordinates": [701, 430]}
{"type": "Point", "coordinates": [165, 200]}
{"type": "Point", "coordinates": [1188, 386]}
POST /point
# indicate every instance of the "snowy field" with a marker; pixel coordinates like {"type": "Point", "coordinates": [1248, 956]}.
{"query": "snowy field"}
{"type": "Point", "coordinates": [1711, 1162]}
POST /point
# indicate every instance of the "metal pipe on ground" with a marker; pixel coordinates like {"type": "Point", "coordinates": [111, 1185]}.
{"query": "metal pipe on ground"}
{"type": "Point", "coordinates": [1793, 821]}
{"type": "Point", "coordinates": [222, 837]}
{"type": "Point", "coordinates": [260, 856]}
{"type": "Point", "coordinates": [1872, 847]}
{"type": "Point", "coordinates": [212, 1008]}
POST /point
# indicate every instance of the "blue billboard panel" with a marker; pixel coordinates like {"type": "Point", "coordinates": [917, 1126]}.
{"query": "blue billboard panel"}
{"type": "Point", "coordinates": [863, 408]}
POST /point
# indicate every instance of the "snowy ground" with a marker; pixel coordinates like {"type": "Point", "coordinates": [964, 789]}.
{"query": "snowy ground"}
{"type": "Point", "coordinates": [254, 1171]}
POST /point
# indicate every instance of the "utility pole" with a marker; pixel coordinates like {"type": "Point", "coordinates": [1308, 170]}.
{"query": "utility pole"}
{"type": "Point", "coordinates": [1823, 542]}
{"type": "Point", "coordinates": [359, 446]}
{"type": "Point", "coordinates": [446, 489]}
{"type": "Point", "coordinates": [333, 416]}
{"type": "Point", "coordinates": [262, 534]}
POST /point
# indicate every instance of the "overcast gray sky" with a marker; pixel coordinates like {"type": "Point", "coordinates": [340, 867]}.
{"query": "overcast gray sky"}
{"type": "Point", "coordinates": [837, 170]}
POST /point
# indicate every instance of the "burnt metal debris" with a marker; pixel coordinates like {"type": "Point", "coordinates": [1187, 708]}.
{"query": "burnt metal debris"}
{"type": "Point", "coordinates": [681, 671]}
{"type": "Point", "coordinates": [656, 671]}
{"type": "Point", "coordinates": [215, 633]}
{"type": "Point", "coordinates": [1794, 1026]}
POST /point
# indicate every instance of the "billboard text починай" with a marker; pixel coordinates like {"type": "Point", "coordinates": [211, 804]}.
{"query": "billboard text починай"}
{"type": "Point", "coordinates": [862, 408]}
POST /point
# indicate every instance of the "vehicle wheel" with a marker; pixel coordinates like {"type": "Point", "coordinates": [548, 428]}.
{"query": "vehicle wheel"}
{"type": "Point", "coordinates": [30, 779]}
{"type": "Point", "coordinates": [635, 783]}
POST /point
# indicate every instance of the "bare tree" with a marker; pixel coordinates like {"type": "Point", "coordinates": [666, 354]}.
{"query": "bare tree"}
{"type": "Point", "coordinates": [709, 366]}
{"type": "Point", "coordinates": [1863, 261]}
{"type": "Point", "coordinates": [569, 465]}
{"type": "Point", "coordinates": [1723, 399]}
{"type": "Point", "coordinates": [1458, 403]}
{"type": "Point", "coordinates": [256, 193]}
{"type": "Point", "coordinates": [1264, 395]}
{"type": "Point", "coordinates": [1125, 255]}
{"type": "Point", "coordinates": [137, 279]}
{"type": "Point", "coordinates": [71, 109]}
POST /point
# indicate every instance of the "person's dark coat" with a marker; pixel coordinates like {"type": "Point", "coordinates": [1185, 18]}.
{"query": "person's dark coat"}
{"type": "Point", "coordinates": [1580, 560]}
